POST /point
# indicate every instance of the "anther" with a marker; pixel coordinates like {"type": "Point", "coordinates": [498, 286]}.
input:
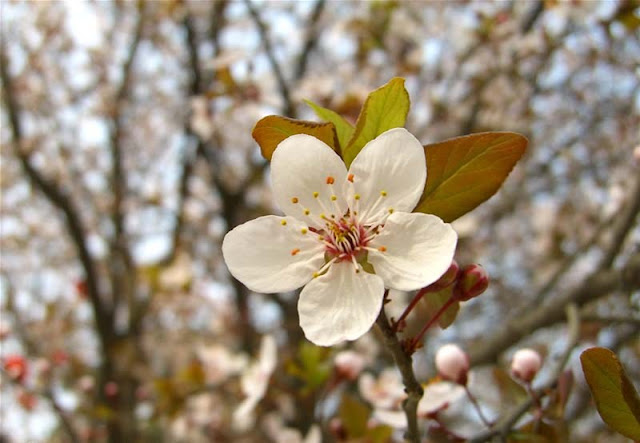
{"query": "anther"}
{"type": "Point", "coordinates": [357, 196]}
{"type": "Point", "coordinates": [334, 198]}
{"type": "Point", "coordinates": [295, 251]}
{"type": "Point", "coordinates": [283, 222]}
{"type": "Point", "coordinates": [304, 230]}
{"type": "Point", "coordinates": [316, 194]}
{"type": "Point", "coordinates": [307, 212]}
{"type": "Point", "coordinates": [294, 200]}
{"type": "Point", "coordinates": [350, 178]}
{"type": "Point", "coordinates": [382, 249]}
{"type": "Point", "coordinates": [383, 193]}
{"type": "Point", "coordinates": [330, 180]}
{"type": "Point", "coordinates": [390, 210]}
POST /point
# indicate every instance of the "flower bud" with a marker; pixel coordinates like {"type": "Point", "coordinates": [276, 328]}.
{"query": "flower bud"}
{"type": "Point", "coordinates": [349, 364]}
{"type": "Point", "coordinates": [525, 364]}
{"type": "Point", "coordinates": [473, 281]}
{"type": "Point", "coordinates": [111, 389]}
{"type": "Point", "coordinates": [16, 367]}
{"type": "Point", "coordinates": [452, 364]}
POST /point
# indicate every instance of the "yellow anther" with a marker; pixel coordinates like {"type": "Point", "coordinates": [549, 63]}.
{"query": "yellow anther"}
{"type": "Point", "coordinates": [357, 196]}
{"type": "Point", "coordinates": [304, 230]}
{"type": "Point", "coordinates": [334, 198]}
{"type": "Point", "coordinates": [283, 222]}
{"type": "Point", "coordinates": [295, 251]}
{"type": "Point", "coordinates": [383, 193]}
{"type": "Point", "coordinates": [390, 210]}
{"type": "Point", "coordinates": [316, 275]}
{"type": "Point", "coordinates": [307, 212]}
{"type": "Point", "coordinates": [294, 200]}
{"type": "Point", "coordinates": [316, 194]}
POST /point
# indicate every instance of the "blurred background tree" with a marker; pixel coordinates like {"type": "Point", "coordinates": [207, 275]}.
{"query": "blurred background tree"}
{"type": "Point", "coordinates": [127, 154]}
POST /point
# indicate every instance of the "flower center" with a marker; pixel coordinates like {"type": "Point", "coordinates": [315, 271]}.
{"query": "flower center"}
{"type": "Point", "coordinates": [344, 239]}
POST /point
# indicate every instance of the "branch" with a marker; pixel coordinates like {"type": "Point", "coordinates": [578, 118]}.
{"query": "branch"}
{"type": "Point", "coordinates": [311, 40]}
{"type": "Point", "coordinates": [121, 264]}
{"type": "Point", "coordinates": [625, 222]}
{"type": "Point", "coordinates": [520, 325]}
{"type": "Point", "coordinates": [504, 426]}
{"type": "Point", "coordinates": [62, 202]}
{"type": "Point", "coordinates": [405, 365]}
{"type": "Point", "coordinates": [289, 110]}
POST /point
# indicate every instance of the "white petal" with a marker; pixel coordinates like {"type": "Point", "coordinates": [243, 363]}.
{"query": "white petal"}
{"type": "Point", "coordinates": [412, 250]}
{"type": "Point", "coordinates": [308, 175]}
{"type": "Point", "coordinates": [340, 305]}
{"type": "Point", "coordinates": [389, 173]}
{"type": "Point", "coordinates": [268, 256]}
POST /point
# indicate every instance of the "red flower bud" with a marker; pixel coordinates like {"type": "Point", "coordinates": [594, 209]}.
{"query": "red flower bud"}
{"type": "Point", "coordinates": [525, 364]}
{"type": "Point", "coordinates": [452, 364]}
{"type": "Point", "coordinates": [473, 281]}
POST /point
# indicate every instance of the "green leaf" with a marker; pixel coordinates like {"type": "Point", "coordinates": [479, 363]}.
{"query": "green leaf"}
{"type": "Point", "coordinates": [463, 172]}
{"type": "Point", "coordinates": [344, 129]}
{"type": "Point", "coordinates": [616, 399]}
{"type": "Point", "coordinates": [354, 415]}
{"type": "Point", "coordinates": [272, 129]}
{"type": "Point", "coordinates": [432, 302]}
{"type": "Point", "coordinates": [385, 108]}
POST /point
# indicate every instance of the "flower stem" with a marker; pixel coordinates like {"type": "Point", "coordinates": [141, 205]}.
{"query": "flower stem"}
{"type": "Point", "coordinates": [476, 406]}
{"type": "Point", "coordinates": [396, 324]}
{"type": "Point", "coordinates": [414, 342]}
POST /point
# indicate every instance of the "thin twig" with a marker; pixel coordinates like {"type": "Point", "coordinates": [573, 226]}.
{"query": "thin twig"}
{"type": "Point", "coordinates": [289, 110]}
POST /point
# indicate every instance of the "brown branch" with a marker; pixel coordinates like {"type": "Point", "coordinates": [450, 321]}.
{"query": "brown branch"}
{"type": "Point", "coordinates": [122, 268]}
{"type": "Point", "coordinates": [62, 202]}
{"type": "Point", "coordinates": [311, 39]}
{"type": "Point", "coordinates": [289, 109]}
{"type": "Point", "coordinates": [405, 365]}
{"type": "Point", "coordinates": [522, 324]}
{"type": "Point", "coordinates": [624, 222]}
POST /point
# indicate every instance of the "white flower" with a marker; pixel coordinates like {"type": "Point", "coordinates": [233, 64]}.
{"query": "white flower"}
{"type": "Point", "coordinates": [254, 383]}
{"type": "Point", "coordinates": [346, 235]}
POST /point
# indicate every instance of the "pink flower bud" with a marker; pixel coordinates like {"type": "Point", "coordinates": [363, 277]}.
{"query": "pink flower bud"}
{"type": "Point", "coordinates": [452, 364]}
{"type": "Point", "coordinates": [473, 281]}
{"type": "Point", "coordinates": [525, 364]}
{"type": "Point", "coordinates": [349, 364]}
{"type": "Point", "coordinates": [111, 389]}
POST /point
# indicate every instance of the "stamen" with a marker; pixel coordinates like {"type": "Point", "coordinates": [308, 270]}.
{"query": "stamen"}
{"type": "Point", "coordinates": [383, 193]}
{"type": "Point", "coordinates": [294, 200]}
{"type": "Point", "coordinates": [330, 180]}
{"type": "Point", "coordinates": [295, 251]}
{"type": "Point", "coordinates": [350, 178]}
